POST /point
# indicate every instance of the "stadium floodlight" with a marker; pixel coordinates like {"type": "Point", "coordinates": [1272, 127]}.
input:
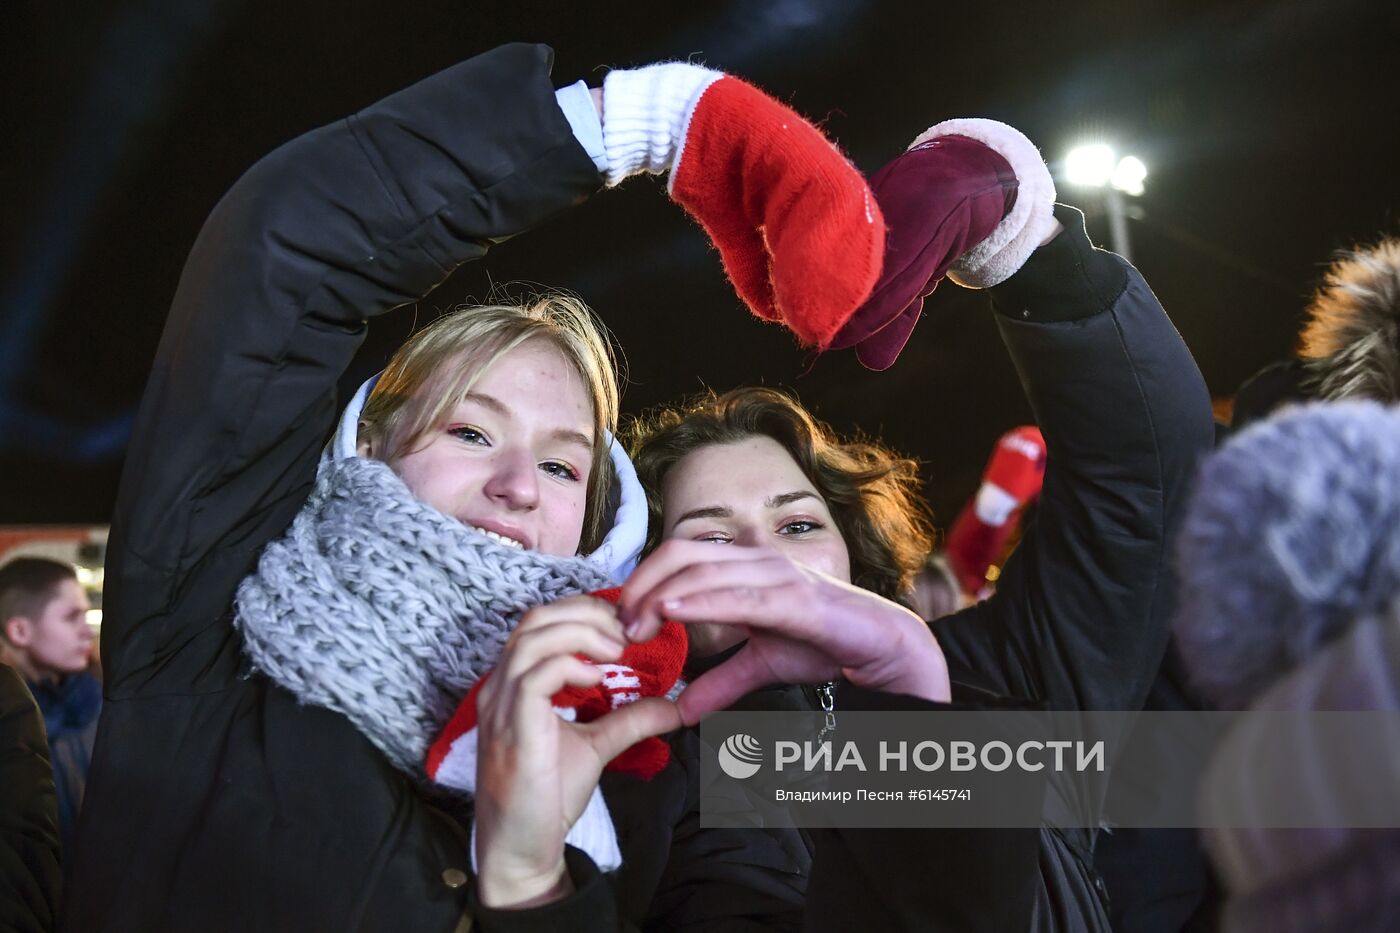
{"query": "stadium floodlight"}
{"type": "Point", "coordinates": [1089, 166]}
{"type": "Point", "coordinates": [1096, 165]}
{"type": "Point", "coordinates": [1129, 175]}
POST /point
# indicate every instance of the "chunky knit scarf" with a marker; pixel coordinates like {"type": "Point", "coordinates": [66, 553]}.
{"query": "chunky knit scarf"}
{"type": "Point", "coordinates": [382, 608]}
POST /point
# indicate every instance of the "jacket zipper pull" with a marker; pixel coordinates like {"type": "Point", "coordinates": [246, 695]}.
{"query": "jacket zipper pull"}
{"type": "Point", "coordinates": [826, 695]}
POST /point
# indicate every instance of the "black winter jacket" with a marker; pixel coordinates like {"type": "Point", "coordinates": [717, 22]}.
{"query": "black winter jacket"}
{"type": "Point", "coordinates": [30, 876]}
{"type": "Point", "coordinates": [1081, 614]}
{"type": "Point", "coordinates": [1080, 617]}
{"type": "Point", "coordinates": [215, 801]}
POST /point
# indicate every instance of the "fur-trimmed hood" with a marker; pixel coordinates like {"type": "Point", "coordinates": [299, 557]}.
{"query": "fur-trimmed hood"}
{"type": "Point", "coordinates": [1351, 342]}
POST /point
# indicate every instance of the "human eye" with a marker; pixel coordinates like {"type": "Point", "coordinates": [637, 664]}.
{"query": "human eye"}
{"type": "Point", "coordinates": [800, 526]}
{"type": "Point", "coordinates": [714, 537]}
{"type": "Point", "coordinates": [561, 470]}
{"type": "Point", "coordinates": [469, 434]}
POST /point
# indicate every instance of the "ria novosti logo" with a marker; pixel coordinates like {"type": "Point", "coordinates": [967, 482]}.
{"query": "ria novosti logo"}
{"type": "Point", "coordinates": [740, 756]}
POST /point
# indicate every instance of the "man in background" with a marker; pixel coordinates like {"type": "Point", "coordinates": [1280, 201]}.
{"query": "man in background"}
{"type": "Point", "coordinates": [44, 628]}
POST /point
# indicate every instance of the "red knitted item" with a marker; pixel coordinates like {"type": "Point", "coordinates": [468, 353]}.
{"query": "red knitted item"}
{"type": "Point", "coordinates": [649, 669]}
{"type": "Point", "coordinates": [797, 229]}
{"type": "Point", "coordinates": [1017, 464]}
{"type": "Point", "coordinates": [1017, 467]}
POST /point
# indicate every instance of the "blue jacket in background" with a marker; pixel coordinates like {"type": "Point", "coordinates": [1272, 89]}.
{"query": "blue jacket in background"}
{"type": "Point", "coordinates": [70, 708]}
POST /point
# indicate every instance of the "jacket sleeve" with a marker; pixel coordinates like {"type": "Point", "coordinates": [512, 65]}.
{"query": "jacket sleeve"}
{"type": "Point", "coordinates": [335, 227]}
{"type": "Point", "coordinates": [30, 877]}
{"type": "Point", "coordinates": [1081, 613]}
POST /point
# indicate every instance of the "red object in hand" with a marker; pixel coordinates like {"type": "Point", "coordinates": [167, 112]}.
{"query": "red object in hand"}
{"type": "Point", "coordinates": [649, 669]}
{"type": "Point", "coordinates": [1013, 477]}
{"type": "Point", "coordinates": [797, 228]}
{"type": "Point", "coordinates": [1017, 464]}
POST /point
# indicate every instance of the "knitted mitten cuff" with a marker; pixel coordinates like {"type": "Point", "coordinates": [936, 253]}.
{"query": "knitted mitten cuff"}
{"type": "Point", "coordinates": [646, 112]}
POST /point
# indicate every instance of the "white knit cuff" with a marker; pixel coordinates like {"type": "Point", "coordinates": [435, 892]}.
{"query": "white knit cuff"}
{"type": "Point", "coordinates": [645, 115]}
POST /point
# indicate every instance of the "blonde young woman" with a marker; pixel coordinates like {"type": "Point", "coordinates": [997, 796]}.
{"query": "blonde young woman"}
{"type": "Point", "coordinates": [259, 764]}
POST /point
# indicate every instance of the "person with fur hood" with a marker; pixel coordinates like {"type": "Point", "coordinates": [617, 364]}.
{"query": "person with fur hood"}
{"type": "Point", "coordinates": [1349, 348]}
{"type": "Point", "coordinates": [287, 630]}
{"type": "Point", "coordinates": [1290, 575]}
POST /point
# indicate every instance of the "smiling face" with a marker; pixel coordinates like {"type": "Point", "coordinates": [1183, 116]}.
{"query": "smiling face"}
{"type": "Point", "coordinates": [751, 492]}
{"type": "Point", "coordinates": [512, 458]}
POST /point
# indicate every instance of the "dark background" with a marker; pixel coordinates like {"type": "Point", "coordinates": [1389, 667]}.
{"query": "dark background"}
{"type": "Point", "coordinates": [1267, 129]}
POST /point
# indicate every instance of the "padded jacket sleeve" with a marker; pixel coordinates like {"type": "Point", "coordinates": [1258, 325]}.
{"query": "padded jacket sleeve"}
{"type": "Point", "coordinates": [337, 226]}
{"type": "Point", "coordinates": [1081, 612]}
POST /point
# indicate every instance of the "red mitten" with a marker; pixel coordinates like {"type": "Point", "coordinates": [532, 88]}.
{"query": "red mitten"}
{"type": "Point", "coordinates": [649, 669]}
{"type": "Point", "coordinates": [795, 224]}
{"type": "Point", "coordinates": [797, 228]}
{"type": "Point", "coordinates": [1013, 477]}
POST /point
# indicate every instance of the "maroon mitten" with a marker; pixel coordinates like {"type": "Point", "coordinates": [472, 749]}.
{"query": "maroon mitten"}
{"type": "Point", "coordinates": [970, 199]}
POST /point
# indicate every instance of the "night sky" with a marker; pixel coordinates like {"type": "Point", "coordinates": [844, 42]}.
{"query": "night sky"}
{"type": "Point", "coordinates": [1267, 130]}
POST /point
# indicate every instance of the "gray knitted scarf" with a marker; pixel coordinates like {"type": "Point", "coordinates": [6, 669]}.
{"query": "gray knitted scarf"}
{"type": "Point", "coordinates": [382, 608]}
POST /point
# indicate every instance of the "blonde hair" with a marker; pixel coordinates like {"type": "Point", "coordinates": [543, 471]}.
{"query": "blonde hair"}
{"type": "Point", "coordinates": [437, 366]}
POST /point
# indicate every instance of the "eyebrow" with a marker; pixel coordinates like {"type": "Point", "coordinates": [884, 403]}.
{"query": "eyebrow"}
{"type": "Point", "coordinates": [778, 501]}
{"type": "Point", "coordinates": [712, 511]}
{"type": "Point", "coordinates": [720, 511]}
{"type": "Point", "coordinates": [564, 435]}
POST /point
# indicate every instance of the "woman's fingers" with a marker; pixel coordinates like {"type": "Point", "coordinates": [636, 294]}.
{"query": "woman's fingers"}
{"type": "Point", "coordinates": [673, 555]}
{"type": "Point", "coordinates": [544, 680]}
{"type": "Point", "coordinates": [590, 609]}
{"type": "Point", "coordinates": [774, 608]}
{"type": "Point", "coordinates": [756, 581]}
{"type": "Point", "coordinates": [720, 687]}
{"type": "Point", "coordinates": [576, 625]}
{"type": "Point", "coordinates": [617, 731]}
{"type": "Point", "coordinates": [572, 637]}
{"type": "Point", "coordinates": [517, 701]}
{"type": "Point", "coordinates": [678, 568]}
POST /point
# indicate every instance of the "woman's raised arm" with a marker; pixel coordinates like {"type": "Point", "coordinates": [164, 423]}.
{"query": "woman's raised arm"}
{"type": "Point", "coordinates": [337, 226]}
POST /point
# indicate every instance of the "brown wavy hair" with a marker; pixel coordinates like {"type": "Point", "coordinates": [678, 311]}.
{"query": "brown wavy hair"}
{"type": "Point", "coordinates": [872, 492]}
